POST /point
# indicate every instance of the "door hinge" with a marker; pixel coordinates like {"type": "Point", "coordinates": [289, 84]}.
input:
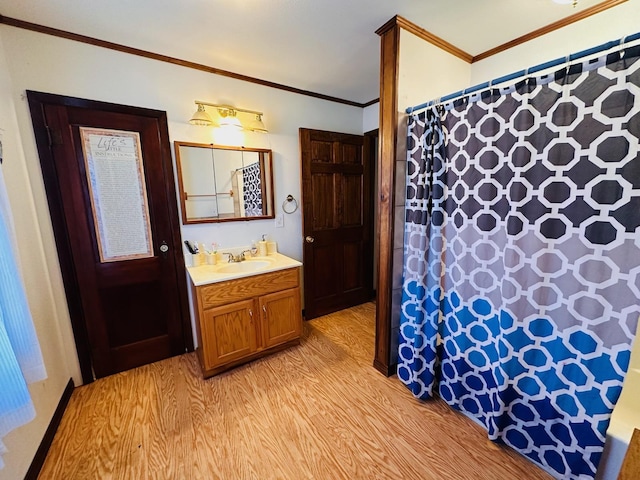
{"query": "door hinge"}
{"type": "Point", "coordinates": [54, 136]}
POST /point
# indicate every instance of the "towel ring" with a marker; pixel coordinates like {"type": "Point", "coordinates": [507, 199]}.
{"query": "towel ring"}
{"type": "Point", "coordinates": [289, 200]}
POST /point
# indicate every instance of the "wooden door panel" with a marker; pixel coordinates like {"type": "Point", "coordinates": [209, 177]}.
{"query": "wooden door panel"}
{"type": "Point", "coordinates": [230, 332]}
{"type": "Point", "coordinates": [132, 321]}
{"type": "Point", "coordinates": [351, 199]}
{"type": "Point", "coordinates": [140, 353]}
{"type": "Point", "coordinates": [337, 214]}
{"type": "Point", "coordinates": [325, 263]}
{"type": "Point", "coordinates": [352, 153]}
{"type": "Point", "coordinates": [322, 152]}
{"type": "Point", "coordinates": [324, 209]}
{"type": "Point", "coordinates": [352, 272]}
{"type": "Point", "coordinates": [280, 317]}
{"type": "Point", "coordinates": [133, 311]}
{"type": "Point", "coordinates": [134, 271]}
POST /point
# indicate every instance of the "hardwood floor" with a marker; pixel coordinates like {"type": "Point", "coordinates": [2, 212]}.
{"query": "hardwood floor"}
{"type": "Point", "coordinates": [319, 410]}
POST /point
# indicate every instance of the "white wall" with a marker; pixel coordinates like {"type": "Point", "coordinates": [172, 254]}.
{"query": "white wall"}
{"type": "Point", "coordinates": [41, 275]}
{"type": "Point", "coordinates": [371, 117]}
{"type": "Point", "coordinates": [611, 24]}
{"type": "Point", "coordinates": [427, 72]}
{"type": "Point", "coordinates": [48, 64]}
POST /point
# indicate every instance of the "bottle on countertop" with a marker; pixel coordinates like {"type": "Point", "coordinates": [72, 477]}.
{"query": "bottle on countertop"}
{"type": "Point", "coordinates": [262, 246]}
{"type": "Point", "coordinates": [217, 254]}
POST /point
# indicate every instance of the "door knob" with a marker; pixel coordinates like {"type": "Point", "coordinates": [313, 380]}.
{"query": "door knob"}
{"type": "Point", "coordinates": [309, 239]}
{"type": "Point", "coordinates": [164, 248]}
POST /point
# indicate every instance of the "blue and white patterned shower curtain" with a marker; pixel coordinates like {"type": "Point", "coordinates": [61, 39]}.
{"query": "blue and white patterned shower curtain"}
{"type": "Point", "coordinates": [252, 190]}
{"type": "Point", "coordinates": [521, 292]}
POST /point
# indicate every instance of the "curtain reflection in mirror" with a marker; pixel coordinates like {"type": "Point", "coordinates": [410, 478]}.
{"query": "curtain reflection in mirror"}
{"type": "Point", "coordinates": [224, 183]}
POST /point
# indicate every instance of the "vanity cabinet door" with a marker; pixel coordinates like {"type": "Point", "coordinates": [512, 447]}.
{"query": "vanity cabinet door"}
{"type": "Point", "coordinates": [281, 317]}
{"type": "Point", "coordinates": [230, 333]}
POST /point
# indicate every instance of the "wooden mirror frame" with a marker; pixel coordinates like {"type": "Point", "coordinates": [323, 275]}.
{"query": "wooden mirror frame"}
{"type": "Point", "coordinates": [267, 183]}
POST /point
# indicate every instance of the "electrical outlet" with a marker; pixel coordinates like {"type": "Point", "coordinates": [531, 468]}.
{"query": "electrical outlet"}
{"type": "Point", "coordinates": [280, 221]}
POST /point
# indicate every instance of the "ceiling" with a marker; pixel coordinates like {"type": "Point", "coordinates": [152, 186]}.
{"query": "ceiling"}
{"type": "Point", "coordinates": [324, 46]}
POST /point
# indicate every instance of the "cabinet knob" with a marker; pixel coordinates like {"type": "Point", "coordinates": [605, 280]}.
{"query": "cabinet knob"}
{"type": "Point", "coordinates": [310, 239]}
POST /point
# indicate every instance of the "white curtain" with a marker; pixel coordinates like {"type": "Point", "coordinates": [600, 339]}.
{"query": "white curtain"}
{"type": "Point", "coordinates": [20, 356]}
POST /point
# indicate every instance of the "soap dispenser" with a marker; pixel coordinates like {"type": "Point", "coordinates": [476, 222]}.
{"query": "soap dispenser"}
{"type": "Point", "coordinates": [262, 246]}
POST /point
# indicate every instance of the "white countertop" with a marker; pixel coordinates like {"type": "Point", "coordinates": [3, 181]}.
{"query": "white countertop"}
{"type": "Point", "coordinates": [206, 274]}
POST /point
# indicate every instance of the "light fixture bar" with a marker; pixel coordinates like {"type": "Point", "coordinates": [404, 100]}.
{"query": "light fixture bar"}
{"type": "Point", "coordinates": [228, 107]}
{"type": "Point", "coordinates": [228, 117]}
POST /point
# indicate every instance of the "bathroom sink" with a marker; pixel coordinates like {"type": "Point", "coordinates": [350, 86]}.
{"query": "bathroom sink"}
{"type": "Point", "coordinates": [242, 267]}
{"type": "Point", "coordinates": [223, 271]}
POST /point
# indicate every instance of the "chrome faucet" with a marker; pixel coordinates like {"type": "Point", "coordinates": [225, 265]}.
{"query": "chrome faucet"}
{"type": "Point", "coordinates": [233, 258]}
{"type": "Point", "coordinates": [237, 258]}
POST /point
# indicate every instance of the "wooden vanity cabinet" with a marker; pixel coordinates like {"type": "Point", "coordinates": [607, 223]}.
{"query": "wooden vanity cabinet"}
{"type": "Point", "coordinates": [244, 319]}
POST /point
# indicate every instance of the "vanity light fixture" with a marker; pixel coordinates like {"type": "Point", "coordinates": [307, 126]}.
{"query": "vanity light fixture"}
{"type": "Point", "coordinates": [228, 116]}
{"type": "Point", "coordinates": [201, 117]}
{"type": "Point", "coordinates": [258, 125]}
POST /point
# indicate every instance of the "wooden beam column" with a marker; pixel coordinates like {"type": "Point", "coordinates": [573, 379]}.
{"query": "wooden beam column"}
{"type": "Point", "coordinates": [389, 67]}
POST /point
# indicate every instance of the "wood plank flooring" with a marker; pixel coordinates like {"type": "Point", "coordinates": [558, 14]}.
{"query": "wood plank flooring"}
{"type": "Point", "coordinates": [316, 411]}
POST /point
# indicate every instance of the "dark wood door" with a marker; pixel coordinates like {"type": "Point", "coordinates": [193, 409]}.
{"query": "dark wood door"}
{"type": "Point", "coordinates": [110, 186]}
{"type": "Point", "coordinates": [337, 209]}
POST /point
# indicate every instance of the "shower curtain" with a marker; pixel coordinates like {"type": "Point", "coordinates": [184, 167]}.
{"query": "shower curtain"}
{"type": "Point", "coordinates": [521, 290]}
{"type": "Point", "coordinates": [252, 190]}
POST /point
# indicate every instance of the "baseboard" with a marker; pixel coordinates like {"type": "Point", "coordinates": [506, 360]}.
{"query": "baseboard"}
{"type": "Point", "coordinates": [386, 370]}
{"type": "Point", "coordinates": [47, 439]}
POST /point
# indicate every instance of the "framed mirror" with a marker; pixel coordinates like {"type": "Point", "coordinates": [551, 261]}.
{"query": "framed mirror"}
{"type": "Point", "coordinates": [224, 184]}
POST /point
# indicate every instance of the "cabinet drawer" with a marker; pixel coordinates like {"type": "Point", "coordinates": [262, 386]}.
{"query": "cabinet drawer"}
{"type": "Point", "coordinates": [234, 290]}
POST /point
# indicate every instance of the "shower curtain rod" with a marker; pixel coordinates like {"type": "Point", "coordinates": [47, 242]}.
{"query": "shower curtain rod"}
{"type": "Point", "coordinates": [528, 71]}
{"type": "Point", "coordinates": [245, 167]}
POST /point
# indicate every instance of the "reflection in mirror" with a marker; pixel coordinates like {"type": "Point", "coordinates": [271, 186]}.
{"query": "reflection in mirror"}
{"type": "Point", "coordinates": [220, 183]}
